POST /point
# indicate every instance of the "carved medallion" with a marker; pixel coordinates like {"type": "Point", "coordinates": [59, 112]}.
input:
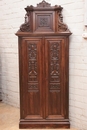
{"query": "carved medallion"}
{"type": "Point", "coordinates": [43, 22]}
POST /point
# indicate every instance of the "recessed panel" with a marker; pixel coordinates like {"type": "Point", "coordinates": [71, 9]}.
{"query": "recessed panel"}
{"type": "Point", "coordinates": [32, 78]}
{"type": "Point", "coordinates": [44, 22]}
{"type": "Point", "coordinates": [54, 86]}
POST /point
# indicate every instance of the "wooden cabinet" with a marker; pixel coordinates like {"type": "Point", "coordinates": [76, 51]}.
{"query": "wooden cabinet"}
{"type": "Point", "coordinates": [43, 67]}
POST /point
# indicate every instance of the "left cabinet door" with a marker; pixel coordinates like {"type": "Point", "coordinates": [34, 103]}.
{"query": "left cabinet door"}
{"type": "Point", "coordinates": [31, 70]}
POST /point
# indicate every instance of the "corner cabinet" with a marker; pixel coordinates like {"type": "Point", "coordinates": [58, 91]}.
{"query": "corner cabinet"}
{"type": "Point", "coordinates": [44, 68]}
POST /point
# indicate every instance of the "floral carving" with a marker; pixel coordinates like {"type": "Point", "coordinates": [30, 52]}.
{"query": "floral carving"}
{"type": "Point", "coordinates": [55, 65]}
{"type": "Point", "coordinates": [32, 55]}
{"type": "Point", "coordinates": [54, 61]}
{"type": "Point", "coordinates": [32, 66]}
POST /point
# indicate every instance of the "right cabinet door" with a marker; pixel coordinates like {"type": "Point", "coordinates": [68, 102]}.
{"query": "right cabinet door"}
{"type": "Point", "coordinates": [55, 75]}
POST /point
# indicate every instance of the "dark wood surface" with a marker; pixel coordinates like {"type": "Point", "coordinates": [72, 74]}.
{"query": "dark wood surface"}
{"type": "Point", "coordinates": [44, 68]}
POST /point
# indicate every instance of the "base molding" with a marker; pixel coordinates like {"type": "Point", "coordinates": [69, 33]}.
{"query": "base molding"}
{"type": "Point", "coordinates": [30, 124]}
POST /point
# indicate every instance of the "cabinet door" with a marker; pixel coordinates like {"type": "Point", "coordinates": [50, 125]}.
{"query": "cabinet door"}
{"type": "Point", "coordinates": [31, 65]}
{"type": "Point", "coordinates": [55, 78]}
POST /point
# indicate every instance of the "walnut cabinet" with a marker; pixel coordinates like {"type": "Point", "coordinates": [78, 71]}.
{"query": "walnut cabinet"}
{"type": "Point", "coordinates": [44, 68]}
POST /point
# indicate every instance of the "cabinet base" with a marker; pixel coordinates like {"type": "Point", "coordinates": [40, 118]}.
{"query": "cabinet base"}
{"type": "Point", "coordinates": [27, 124]}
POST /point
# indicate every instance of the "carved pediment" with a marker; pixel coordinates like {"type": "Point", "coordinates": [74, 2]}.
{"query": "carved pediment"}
{"type": "Point", "coordinates": [43, 4]}
{"type": "Point", "coordinates": [43, 17]}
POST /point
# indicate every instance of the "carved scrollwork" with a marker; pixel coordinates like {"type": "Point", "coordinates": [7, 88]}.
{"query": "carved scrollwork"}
{"type": "Point", "coordinates": [32, 54]}
{"type": "Point", "coordinates": [25, 27]}
{"type": "Point", "coordinates": [43, 4]}
{"type": "Point", "coordinates": [54, 61]}
{"type": "Point", "coordinates": [61, 26]}
{"type": "Point", "coordinates": [32, 66]}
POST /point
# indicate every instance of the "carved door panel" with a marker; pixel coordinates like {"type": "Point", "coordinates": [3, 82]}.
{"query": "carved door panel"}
{"type": "Point", "coordinates": [54, 55]}
{"type": "Point", "coordinates": [32, 104]}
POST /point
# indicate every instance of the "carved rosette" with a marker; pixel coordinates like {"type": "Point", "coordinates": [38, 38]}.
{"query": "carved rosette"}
{"type": "Point", "coordinates": [25, 27]}
{"type": "Point", "coordinates": [61, 26]}
{"type": "Point", "coordinates": [43, 4]}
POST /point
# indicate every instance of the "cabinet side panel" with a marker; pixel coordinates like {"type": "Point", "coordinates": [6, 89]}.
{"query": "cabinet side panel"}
{"type": "Point", "coordinates": [20, 75]}
{"type": "Point", "coordinates": [67, 77]}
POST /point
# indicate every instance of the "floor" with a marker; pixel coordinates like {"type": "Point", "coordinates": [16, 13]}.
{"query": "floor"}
{"type": "Point", "coordinates": [9, 118]}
